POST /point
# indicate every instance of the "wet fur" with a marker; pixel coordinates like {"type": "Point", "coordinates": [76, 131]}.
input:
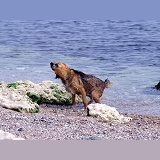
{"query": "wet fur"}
{"type": "Point", "coordinates": [80, 83]}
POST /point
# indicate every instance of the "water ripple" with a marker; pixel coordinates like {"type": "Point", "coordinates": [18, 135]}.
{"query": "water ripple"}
{"type": "Point", "coordinates": [126, 52]}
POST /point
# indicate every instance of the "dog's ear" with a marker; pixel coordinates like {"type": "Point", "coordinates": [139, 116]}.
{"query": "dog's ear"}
{"type": "Point", "coordinates": [64, 64]}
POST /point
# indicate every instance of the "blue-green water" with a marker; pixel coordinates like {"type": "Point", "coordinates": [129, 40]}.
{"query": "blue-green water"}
{"type": "Point", "coordinates": [126, 52]}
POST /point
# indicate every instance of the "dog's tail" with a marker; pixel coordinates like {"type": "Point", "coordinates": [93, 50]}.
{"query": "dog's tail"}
{"type": "Point", "coordinates": [107, 83]}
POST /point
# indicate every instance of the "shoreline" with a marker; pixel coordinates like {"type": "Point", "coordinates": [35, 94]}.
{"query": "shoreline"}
{"type": "Point", "coordinates": [55, 122]}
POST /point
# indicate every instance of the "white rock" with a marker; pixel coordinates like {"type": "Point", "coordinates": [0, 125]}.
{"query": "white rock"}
{"type": "Point", "coordinates": [16, 98]}
{"type": "Point", "coordinates": [106, 113]}
{"type": "Point", "coordinates": [13, 100]}
{"type": "Point", "coordinates": [8, 136]}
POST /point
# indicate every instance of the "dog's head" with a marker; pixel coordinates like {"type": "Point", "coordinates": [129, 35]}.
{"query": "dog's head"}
{"type": "Point", "coordinates": [61, 69]}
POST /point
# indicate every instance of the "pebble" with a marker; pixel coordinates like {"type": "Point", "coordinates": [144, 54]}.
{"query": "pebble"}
{"type": "Point", "coordinates": [20, 129]}
{"type": "Point", "coordinates": [95, 138]}
{"type": "Point", "coordinates": [68, 124]}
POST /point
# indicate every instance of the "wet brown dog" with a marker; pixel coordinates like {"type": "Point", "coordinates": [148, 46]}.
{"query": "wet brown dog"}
{"type": "Point", "coordinates": [80, 83]}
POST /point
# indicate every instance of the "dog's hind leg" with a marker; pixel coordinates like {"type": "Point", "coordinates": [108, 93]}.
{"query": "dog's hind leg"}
{"type": "Point", "coordinates": [74, 102]}
{"type": "Point", "coordinates": [95, 97]}
{"type": "Point", "coordinates": [83, 93]}
{"type": "Point", "coordinates": [91, 100]}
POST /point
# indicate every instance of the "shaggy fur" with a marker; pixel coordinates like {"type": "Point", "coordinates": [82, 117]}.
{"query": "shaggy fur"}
{"type": "Point", "coordinates": [80, 83]}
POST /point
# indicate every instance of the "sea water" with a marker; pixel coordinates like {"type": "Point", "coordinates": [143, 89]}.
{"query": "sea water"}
{"type": "Point", "coordinates": [125, 52]}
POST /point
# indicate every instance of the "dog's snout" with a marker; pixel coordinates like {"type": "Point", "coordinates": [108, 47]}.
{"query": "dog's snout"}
{"type": "Point", "coordinates": [51, 64]}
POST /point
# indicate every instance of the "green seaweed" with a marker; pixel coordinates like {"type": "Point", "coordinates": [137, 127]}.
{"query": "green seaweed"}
{"type": "Point", "coordinates": [35, 110]}
{"type": "Point", "coordinates": [25, 110]}
{"type": "Point", "coordinates": [30, 110]}
{"type": "Point", "coordinates": [54, 87]}
{"type": "Point", "coordinates": [62, 97]}
{"type": "Point", "coordinates": [62, 100]}
{"type": "Point", "coordinates": [13, 85]}
{"type": "Point", "coordinates": [36, 98]}
{"type": "Point", "coordinates": [58, 96]}
{"type": "Point", "coordinates": [66, 102]}
{"type": "Point", "coordinates": [25, 84]}
{"type": "Point", "coordinates": [47, 92]}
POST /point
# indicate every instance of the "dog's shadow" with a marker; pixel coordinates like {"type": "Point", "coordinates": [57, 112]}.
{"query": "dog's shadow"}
{"type": "Point", "coordinates": [63, 107]}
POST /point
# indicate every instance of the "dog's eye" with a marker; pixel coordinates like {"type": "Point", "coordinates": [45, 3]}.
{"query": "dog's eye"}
{"type": "Point", "coordinates": [56, 65]}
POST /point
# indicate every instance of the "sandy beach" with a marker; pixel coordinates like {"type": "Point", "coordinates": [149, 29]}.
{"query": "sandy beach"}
{"type": "Point", "coordinates": [55, 122]}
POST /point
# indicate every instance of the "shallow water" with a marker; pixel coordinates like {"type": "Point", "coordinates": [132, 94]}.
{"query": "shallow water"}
{"type": "Point", "coordinates": [126, 52]}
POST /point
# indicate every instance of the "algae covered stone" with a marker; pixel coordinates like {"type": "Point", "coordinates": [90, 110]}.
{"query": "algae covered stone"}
{"type": "Point", "coordinates": [14, 85]}
{"type": "Point", "coordinates": [27, 96]}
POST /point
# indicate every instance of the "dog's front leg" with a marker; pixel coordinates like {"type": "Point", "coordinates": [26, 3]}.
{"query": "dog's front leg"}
{"type": "Point", "coordinates": [73, 99]}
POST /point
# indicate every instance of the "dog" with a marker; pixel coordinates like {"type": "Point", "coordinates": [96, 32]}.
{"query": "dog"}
{"type": "Point", "coordinates": [79, 83]}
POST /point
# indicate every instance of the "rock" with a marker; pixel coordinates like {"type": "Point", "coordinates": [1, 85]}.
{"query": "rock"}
{"type": "Point", "coordinates": [158, 86]}
{"type": "Point", "coordinates": [94, 138]}
{"type": "Point", "coordinates": [26, 96]}
{"type": "Point", "coordinates": [106, 113]}
{"type": "Point", "coordinates": [10, 98]}
{"type": "Point", "coordinates": [8, 136]}
{"type": "Point", "coordinates": [20, 129]}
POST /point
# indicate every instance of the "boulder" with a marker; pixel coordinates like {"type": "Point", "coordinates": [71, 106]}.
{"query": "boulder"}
{"type": "Point", "coordinates": [27, 96]}
{"type": "Point", "coordinates": [106, 113]}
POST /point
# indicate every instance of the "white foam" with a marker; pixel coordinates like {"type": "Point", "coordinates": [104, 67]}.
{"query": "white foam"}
{"type": "Point", "coordinates": [21, 68]}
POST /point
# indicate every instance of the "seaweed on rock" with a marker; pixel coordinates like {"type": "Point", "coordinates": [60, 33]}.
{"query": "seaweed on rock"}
{"type": "Point", "coordinates": [27, 96]}
{"type": "Point", "coordinates": [14, 85]}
